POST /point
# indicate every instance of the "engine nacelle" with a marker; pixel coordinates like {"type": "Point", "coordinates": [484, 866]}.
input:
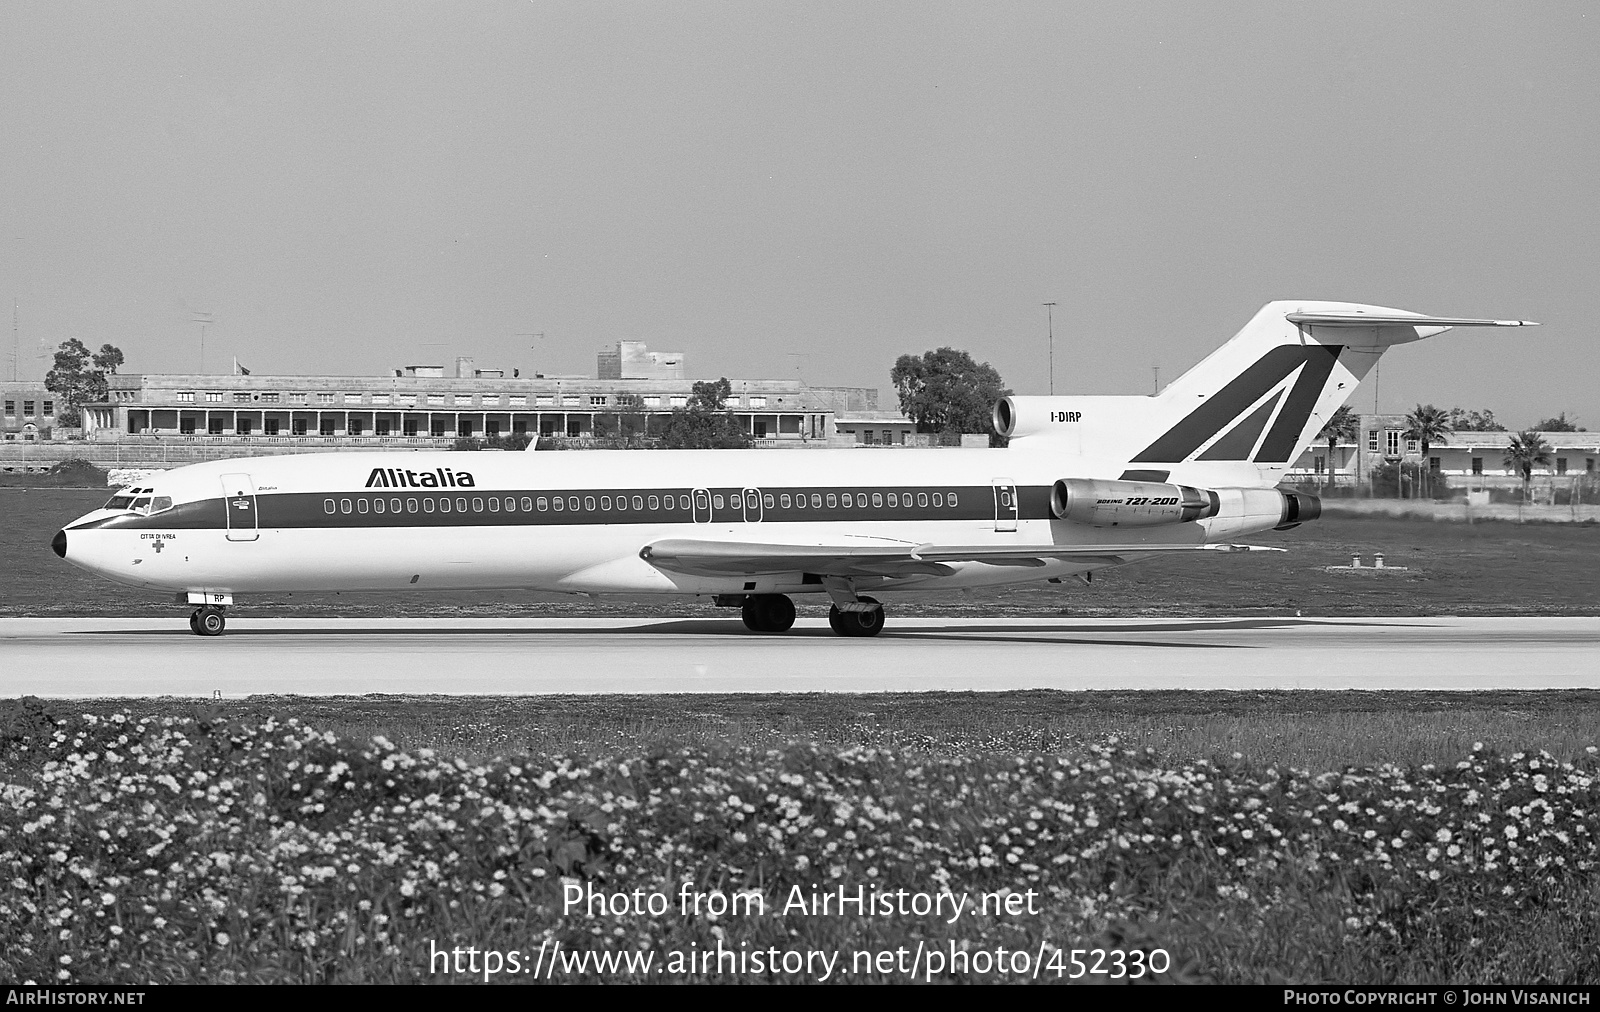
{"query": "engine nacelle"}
{"type": "Point", "coordinates": [1102, 503]}
{"type": "Point", "coordinates": [1298, 507]}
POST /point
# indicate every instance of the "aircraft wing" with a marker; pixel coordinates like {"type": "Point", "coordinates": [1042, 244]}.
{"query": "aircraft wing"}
{"type": "Point", "coordinates": [728, 558]}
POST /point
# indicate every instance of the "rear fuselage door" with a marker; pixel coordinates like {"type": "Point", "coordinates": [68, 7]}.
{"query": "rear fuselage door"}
{"type": "Point", "coordinates": [1005, 504]}
{"type": "Point", "coordinates": [239, 503]}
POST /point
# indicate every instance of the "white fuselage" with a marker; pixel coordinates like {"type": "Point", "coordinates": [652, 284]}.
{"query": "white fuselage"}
{"type": "Point", "coordinates": [312, 522]}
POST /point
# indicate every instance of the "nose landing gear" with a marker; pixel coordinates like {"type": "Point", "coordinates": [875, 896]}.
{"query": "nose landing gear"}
{"type": "Point", "coordinates": [208, 621]}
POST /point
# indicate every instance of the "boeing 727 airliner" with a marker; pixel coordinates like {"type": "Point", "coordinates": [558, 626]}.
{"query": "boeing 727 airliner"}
{"type": "Point", "coordinates": [1087, 482]}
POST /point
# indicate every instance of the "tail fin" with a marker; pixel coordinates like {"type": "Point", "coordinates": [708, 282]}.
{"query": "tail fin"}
{"type": "Point", "coordinates": [1257, 401]}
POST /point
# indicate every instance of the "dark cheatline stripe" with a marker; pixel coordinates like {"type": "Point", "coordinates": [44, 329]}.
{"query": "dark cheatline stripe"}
{"type": "Point", "coordinates": [1225, 405]}
{"type": "Point", "coordinates": [303, 510]}
{"type": "Point", "coordinates": [1284, 438]}
{"type": "Point", "coordinates": [1241, 439]}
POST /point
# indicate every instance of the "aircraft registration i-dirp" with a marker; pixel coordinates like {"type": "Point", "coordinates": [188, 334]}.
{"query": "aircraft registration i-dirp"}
{"type": "Point", "coordinates": [1087, 482]}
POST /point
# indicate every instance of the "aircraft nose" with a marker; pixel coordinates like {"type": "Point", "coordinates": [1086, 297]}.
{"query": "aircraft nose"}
{"type": "Point", "coordinates": [58, 544]}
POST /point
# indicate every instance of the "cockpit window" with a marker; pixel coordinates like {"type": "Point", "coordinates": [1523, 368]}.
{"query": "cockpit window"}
{"type": "Point", "coordinates": [160, 502]}
{"type": "Point", "coordinates": [141, 504]}
{"type": "Point", "coordinates": [119, 502]}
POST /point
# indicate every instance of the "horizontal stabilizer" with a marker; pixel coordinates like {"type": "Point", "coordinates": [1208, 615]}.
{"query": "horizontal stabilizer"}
{"type": "Point", "coordinates": [1396, 320]}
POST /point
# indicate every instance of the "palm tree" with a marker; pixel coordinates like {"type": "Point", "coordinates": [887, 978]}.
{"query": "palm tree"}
{"type": "Point", "coordinates": [1342, 427]}
{"type": "Point", "coordinates": [1526, 449]}
{"type": "Point", "coordinates": [1428, 425]}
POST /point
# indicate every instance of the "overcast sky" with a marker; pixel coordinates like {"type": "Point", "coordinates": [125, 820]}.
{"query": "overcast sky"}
{"type": "Point", "coordinates": [810, 188]}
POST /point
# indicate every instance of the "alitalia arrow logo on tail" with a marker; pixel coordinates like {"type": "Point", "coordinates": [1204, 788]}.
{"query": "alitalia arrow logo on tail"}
{"type": "Point", "coordinates": [443, 477]}
{"type": "Point", "coordinates": [1315, 363]}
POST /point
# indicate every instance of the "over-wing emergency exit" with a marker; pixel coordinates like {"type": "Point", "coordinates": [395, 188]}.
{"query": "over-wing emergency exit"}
{"type": "Point", "coordinates": [1087, 482]}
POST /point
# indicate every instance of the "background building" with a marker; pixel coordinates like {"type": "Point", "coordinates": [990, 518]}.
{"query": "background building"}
{"type": "Point", "coordinates": [171, 419]}
{"type": "Point", "coordinates": [1465, 459]}
{"type": "Point", "coordinates": [27, 411]}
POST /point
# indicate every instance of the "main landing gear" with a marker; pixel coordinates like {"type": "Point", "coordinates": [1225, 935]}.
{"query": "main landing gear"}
{"type": "Point", "coordinates": [867, 622]}
{"type": "Point", "coordinates": [774, 613]}
{"type": "Point", "coordinates": [768, 613]}
{"type": "Point", "coordinates": [208, 621]}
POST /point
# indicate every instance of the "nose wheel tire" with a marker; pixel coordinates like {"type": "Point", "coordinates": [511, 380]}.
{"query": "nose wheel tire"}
{"type": "Point", "coordinates": [857, 623]}
{"type": "Point", "coordinates": [207, 622]}
{"type": "Point", "coordinates": [768, 613]}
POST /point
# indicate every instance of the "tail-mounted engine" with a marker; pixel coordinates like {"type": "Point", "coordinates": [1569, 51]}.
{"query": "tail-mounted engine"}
{"type": "Point", "coordinates": [1100, 503]}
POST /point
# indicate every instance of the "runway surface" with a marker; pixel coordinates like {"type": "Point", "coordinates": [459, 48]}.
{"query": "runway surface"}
{"type": "Point", "coordinates": [152, 657]}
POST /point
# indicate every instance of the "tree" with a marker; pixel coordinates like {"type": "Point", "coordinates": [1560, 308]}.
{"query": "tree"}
{"type": "Point", "coordinates": [1560, 423]}
{"type": "Point", "coordinates": [705, 423]}
{"type": "Point", "coordinates": [79, 378]}
{"type": "Point", "coordinates": [1428, 425]}
{"type": "Point", "coordinates": [1526, 449]}
{"type": "Point", "coordinates": [1462, 420]}
{"type": "Point", "coordinates": [945, 391]}
{"type": "Point", "coordinates": [1342, 427]}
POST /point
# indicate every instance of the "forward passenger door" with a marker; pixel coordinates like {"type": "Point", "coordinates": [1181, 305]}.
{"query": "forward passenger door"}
{"type": "Point", "coordinates": [239, 504]}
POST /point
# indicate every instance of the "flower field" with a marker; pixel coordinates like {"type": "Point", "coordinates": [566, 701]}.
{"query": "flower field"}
{"type": "Point", "coordinates": [157, 848]}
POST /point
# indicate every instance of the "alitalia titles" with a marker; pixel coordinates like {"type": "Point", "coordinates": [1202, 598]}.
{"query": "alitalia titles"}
{"type": "Point", "coordinates": [443, 477]}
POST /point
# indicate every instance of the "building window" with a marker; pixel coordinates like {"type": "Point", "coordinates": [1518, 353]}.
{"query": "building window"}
{"type": "Point", "coordinates": [1588, 464]}
{"type": "Point", "coordinates": [324, 398]}
{"type": "Point", "coordinates": [242, 427]}
{"type": "Point", "coordinates": [1319, 464]}
{"type": "Point", "coordinates": [381, 426]}
{"type": "Point", "coordinates": [11, 409]}
{"type": "Point", "coordinates": [1391, 442]}
{"type": "Point", "coordinates": [271, 398]}
{"type": "Point", "coordinates": [407, 401]}
{"type": "Point", "coordinates": [213, 426]}
{"type": "Point", "coordinates": [679, 401]}
{"type": "Point", "coordinates": [297, 398]}
{"type": "Point", "coordinates": [544, 400]}
{"type": "Point", "coordinates": [326, 427]}
{"type": "Point", "coordinates": [652, 401]}
{"type": "Point", "coordinates": [519, 400]}
{"type": "Point", "coordinates": [185, 397]}
{"type": "Point", "coordinates": [27, 409]}
{"type": "Point", "coordinates": [271, 426]}
{"type": "Point", "coordinates": [1561, 465]}
{"type": "Point", "coordinates": [1372, 440]}
{"type": "Point", "coordinates": [436, 400]}
{"type": "Point", "coordinates": [380, 398]}
{"type": "Point", "coordinates": [297, 427]}
{"type": "Point", "coordinates": [186, 425]}
{"type": "Point", "coordinates": [241, 398]}
{"type": "Point", "coordinates": [1411, 446]}
{"type": "Point", "coordinates": [49, 408]}
{"type": "Point", "coordinates": [463, 400]}
{"type": "Point", "coordinates": [214, 396]}
{"type": "Point", "coordinates": [1433, 463]}
{"type": "Point", "coordinates": [758, 402]}
{"type": "Point", "coordinates": [353, 427]}
{"type": "Point", "coordinates": [597, 400]}
{"type": "Point", "coordinates": [1477, 465]}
